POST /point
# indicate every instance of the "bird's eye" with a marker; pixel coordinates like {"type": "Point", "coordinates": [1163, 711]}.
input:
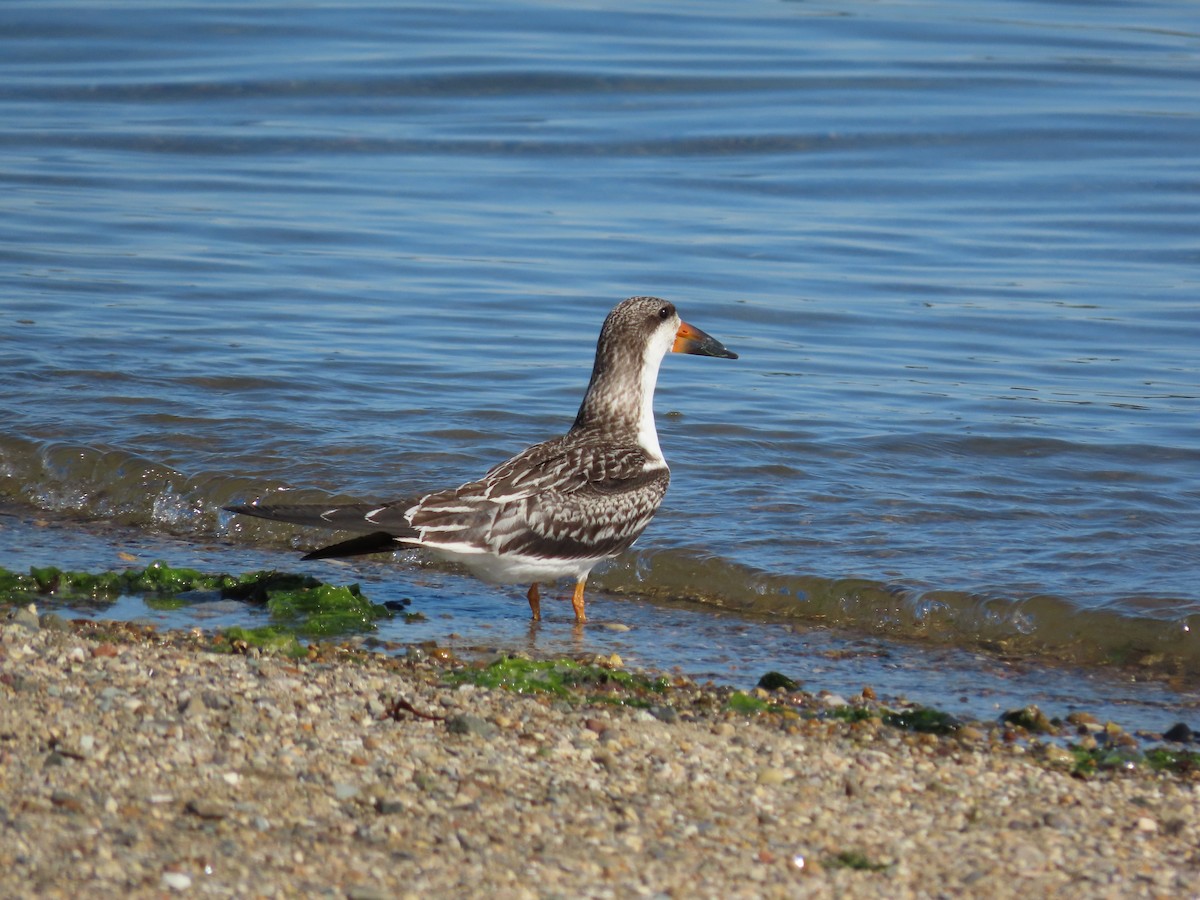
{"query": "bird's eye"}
{"type": "Point", "coordinates": [664, 312]}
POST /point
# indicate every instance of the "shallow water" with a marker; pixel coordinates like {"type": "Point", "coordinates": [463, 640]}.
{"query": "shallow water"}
{"type": "Point", "coordinates": [364, 250]}
{"type": "Point", "coordinates": [661, 634]}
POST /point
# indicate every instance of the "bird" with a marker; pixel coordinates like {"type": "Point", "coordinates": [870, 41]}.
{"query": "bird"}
{"type": "Point", "coordinates": [557, 508]}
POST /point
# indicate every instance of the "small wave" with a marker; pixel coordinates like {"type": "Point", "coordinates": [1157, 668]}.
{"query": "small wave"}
{"type": "Point", "coordinates": [1159, 635]}
{"type": "Point", "coordinates": [1162, 637]}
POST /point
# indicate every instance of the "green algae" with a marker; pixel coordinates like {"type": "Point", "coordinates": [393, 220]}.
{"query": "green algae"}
{"type": "Point", "coordinates": [849, 713]}
{"type": "Point", "coordinates": [157, 578]}
{"type": "Point", "coordinates": [922, 719]}
{"type": "Point", "coordinates": [919, 719]}
{"type": "Point", "coordinates": [298, 604]}
{"type": "Point", "coordinates": [325, 610]}
{"type": "Point", "coordinates": [1031, 719]}
{"type": "Point", "coordinates": [1162, 759]}
{"type": "Point", "coordinates": [559, 677]}
{"type": "Point", "coordinates": [1091, 761]}
{"type": "Point", "coordinates": [749, 705]}
{"type": "Point", "coordinates": [268, 638]}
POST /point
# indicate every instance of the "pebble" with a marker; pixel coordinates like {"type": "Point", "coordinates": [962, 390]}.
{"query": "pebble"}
{"type": "Point", "coordinates": [176, 881]}
{"type": "Point", "coordinates": [770, 776]}
{"type": "Point", "coordinates": [25, 618]}
{"type": "Point", "coordinates": [1059, 756]}
{"type": "Point", "coordinates": [1179, 732]}
{"type": "Point", "coordinates": [163, 769]}
{"type": "Point", "coordinates": [207, 809]}
{"type": "Point", "coordinates": [666, 714]}
{"type": "Point", "coordinates": [474, 725]}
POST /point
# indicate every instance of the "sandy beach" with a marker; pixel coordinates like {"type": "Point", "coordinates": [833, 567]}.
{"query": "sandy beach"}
{"type": "Point", "coordinates": [141, 764]}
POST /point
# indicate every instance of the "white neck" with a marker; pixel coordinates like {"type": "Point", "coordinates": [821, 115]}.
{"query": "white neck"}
{"type": "Point", "coordinates": [647, 435]}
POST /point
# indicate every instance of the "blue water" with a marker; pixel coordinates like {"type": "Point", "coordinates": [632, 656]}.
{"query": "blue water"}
{"type": "Point", "coordinates": [364, 250]}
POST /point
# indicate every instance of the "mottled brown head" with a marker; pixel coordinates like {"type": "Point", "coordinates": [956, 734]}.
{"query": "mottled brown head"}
{"type": "Point", "coordinates": [635, 337]}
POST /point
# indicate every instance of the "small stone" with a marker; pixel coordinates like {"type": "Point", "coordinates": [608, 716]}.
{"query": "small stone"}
{"type": "Point", "coordinates": [207, 809]}
{"type": "Point", "coordinates": [770, 776]}
{"type": "Point", "coordinates": [1174, 826]}
{"type": "Point", "coordinates": [15, 680]}
{"type": "Point", "coordinates": [773, 681]}
{"type": "Point", "coordinates": [54, 622]}
{"type": "Point", "coordinates": [468, 724]}
{"type": "Point", "coordinates": [389, 806]}
{"type": "Point", "coordinates": [1028, 858]}
{"type": "Point", "coordinates": [1031, 718]}
{"type": "Point", "coordinates": [1119, 739]}
{"type": "Point", "coordinates": [176, 881]}
{"type": "Point", "coordinates": [343, 790]}
{"type": "Point", "coordinates": [1179, 732]}
{"type": "Point", "coordinates": [190, 706]}
{"type": "Point", "coordinates": [808, 866]}
{"type": "Point", "coordinates": [1059, 756]}
{"type": "Point", "coordinates": [1146, 824]}
{"type": "Point", "coordinates": [67, 801]}
{"type": "Point", "coordinates": [616, 626]}
{"type": "Point", "coordinates": [216, 700]}
{"type": "Point", "coordinates": [1057, 820]}
{"type": "Point", "coordinates": [442, 654]}
{"type": "Point", "coordinates": [666, 714]}
{"type": "Point", "coordinates": [26, 617]}
{"type": "Point", "coordinates": [104, 651]}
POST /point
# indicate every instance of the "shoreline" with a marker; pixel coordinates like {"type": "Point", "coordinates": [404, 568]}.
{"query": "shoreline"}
{"type": "Point", "coordinates": [141, 763]}
{"type": "Point", "coordinates": [967, 679]}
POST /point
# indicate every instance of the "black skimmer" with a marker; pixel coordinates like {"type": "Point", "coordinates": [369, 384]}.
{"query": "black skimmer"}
{"type": "Point", "coordinates": [560, 507]}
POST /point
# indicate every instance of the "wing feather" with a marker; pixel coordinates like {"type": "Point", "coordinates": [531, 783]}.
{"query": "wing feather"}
{"type": "Point", "coordinates": [565, 498]}
{"type": "Point", "coordinates": [562, 498]}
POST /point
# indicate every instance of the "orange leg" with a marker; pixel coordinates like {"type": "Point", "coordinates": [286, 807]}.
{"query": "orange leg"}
{"type": "Point", "coordinates": [535, 601]}
{"type": "Point", "coordinates": [577, 602]}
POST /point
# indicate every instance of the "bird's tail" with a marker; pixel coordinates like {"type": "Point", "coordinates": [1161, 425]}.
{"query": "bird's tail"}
{"type": "Point", "coordinates": [387, 517]}
{"type": "Point", "coordinates": [377, 542]}
{"type": "Point", "coordinates": [386, 523]}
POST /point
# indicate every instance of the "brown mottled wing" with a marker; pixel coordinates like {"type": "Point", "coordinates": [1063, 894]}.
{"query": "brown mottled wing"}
{"type": "Point", "coordinates": [564, 498]}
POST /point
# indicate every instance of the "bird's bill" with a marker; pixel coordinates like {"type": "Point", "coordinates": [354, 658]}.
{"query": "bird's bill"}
{"type": "Point", "coordinates": [690, 339]}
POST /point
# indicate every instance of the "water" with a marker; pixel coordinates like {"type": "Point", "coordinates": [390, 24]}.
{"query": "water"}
{"type": "Point", "coordinates": [364, 250]}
